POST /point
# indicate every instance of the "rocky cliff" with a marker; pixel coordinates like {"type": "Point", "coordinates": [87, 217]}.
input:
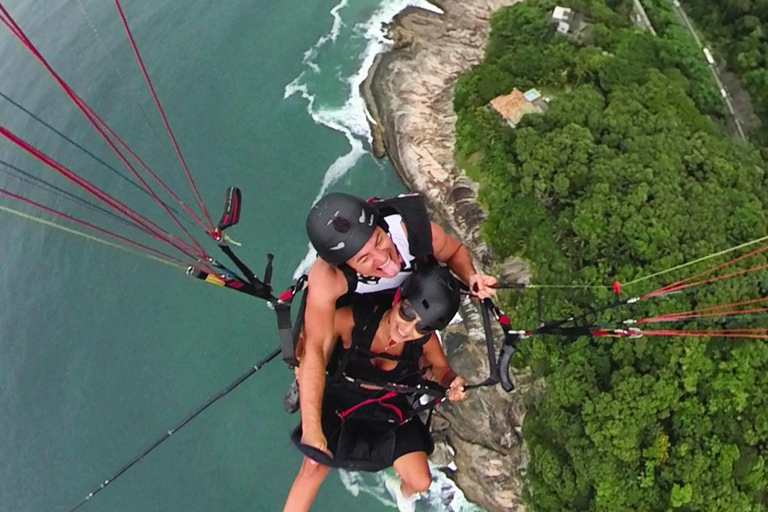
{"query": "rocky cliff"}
{"type": "Point", "coordinates": [409, 93]}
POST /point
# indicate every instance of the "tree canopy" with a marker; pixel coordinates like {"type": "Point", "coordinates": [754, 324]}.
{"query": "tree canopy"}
{"type": "Point", "coordinates": [625, 174]}
{"type": "Point", "coordinates": [739, 28]}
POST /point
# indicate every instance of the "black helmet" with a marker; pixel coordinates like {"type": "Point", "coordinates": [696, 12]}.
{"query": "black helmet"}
{"type": "Point", "coordinates": [435, 295]}
{"type": "Point", "coordinates": [339, 225]}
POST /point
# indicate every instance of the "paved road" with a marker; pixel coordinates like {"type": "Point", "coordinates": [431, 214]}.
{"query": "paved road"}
{"type": "Point", "coordinates": [712, 67]}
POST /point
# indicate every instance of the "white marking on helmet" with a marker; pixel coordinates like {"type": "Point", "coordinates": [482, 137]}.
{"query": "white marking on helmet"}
{"type": "Point", "coordinates": [330, 221]}
{"type": "Point", "coordinates": [362, 217]}
{"type": "Point", "coordinates": [338, 246]}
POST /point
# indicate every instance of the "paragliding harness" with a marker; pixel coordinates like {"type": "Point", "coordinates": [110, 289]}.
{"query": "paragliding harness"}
{"type": "Point", "coordinates": [363, 430]}
{"type": "Point", "coordinates": [361, 416]}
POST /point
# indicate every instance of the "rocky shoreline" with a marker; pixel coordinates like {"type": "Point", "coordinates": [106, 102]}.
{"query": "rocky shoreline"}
{"type": "Point", "coordinates": [409, 94]}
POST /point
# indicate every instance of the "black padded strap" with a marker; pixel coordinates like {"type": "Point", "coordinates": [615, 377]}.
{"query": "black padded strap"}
{"type": "Point", "coordinates": [285, 329]}
{"type": "Point", "coordinates": [412, 209]}
{"type": "Point", "coordinates": [350, 276]}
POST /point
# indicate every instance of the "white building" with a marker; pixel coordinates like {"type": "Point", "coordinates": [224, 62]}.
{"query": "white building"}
{"type": "Point", "coordinates": [564, 20]}
{"type": "Point", "coordinates": [562, 14]}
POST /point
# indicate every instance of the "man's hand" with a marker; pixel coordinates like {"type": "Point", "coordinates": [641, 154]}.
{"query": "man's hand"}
{"type": "Point", "coordinates": [481, 285]}
{"type": "Point", "coordinates": [316, 440]}
{"type": "Point", "coordinates": [456, 391]}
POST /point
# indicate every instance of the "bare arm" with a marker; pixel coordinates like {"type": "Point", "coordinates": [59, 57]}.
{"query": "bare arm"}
{"type": "Point", "coordinates": [326, 285]}
{"type": "Point", "coordinates": [442, 372]}
{"type": "Point", "coordinates": [454, 254]}
{"type": "Point", "coordinates": [450, 251]}
{"type": "Point", "coordinates": [435, 357]}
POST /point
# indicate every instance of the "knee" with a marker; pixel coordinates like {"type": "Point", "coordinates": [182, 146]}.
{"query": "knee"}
{"type": "Point", "coordinates": [310, 470]}
{"type": "Point", "coordinates": [420, 482]}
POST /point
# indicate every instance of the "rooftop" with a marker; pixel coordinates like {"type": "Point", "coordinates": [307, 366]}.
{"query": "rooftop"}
{"type": "Point", "coordinates": [561, 13]}
{"type": "Point", "coordinates": [513, 106]}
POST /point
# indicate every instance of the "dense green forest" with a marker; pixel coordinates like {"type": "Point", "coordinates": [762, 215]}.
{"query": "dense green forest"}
{"type": "Point", "coordinates": [739, 30]}
{"type": "Point", "coordinates": [626, 174]}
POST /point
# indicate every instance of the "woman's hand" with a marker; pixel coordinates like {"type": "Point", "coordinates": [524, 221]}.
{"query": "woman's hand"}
{"type": "Point", "coordinates": [456, 391]}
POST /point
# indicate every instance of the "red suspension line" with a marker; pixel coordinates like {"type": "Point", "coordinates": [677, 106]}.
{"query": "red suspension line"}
{"type": "Point", "coordinates": [712, 311]}
{"type": "Point", "coordinates": [13, 29]}
{"type": "Point", "coordinates": [676, 318]}
{"type": "Point", "coordinates": [101, 128]}
{"type": "Point", "coordinates": [725, 333]}
{"type": "Point", "coordinates": [62, 215]}
{"type": "Point", "coordinates": [761, 334]}
{"type": "Point", "coordinates": [719, 278]}
{"type": "Point", "coordinates": [154, 175]}
{"type": "Point", "coordinates": [167, 125]}
{"type": "Point", "coordinates": [749, 330]}
{"type": "Point", "coordinates": [146, 225]}
{"type": "Point", "coordinates": [680, 285]}
{"type": "Point", "coordinates": [724, 306]}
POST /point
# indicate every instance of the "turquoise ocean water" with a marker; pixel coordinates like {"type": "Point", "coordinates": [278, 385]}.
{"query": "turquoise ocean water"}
{"type": "Point", "coordinates": [102, 351]}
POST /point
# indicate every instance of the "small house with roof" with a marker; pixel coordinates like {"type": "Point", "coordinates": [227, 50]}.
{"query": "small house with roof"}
{"type": "Point", "coordinates": [513, 106]}
{"type": "Point", "coordinates": [566, 20]}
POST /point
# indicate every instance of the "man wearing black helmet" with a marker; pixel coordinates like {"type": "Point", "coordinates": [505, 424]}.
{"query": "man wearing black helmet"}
{"type": "Point", "coordinates": [365, 248]}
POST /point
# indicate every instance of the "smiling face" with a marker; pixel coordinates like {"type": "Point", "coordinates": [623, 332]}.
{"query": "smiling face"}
{"type": "Point", "coordinates": [405, 324]}
{"type": "Point", "coordinates": [377, 258]}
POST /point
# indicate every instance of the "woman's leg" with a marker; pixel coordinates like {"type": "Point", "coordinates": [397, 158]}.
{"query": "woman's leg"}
{"type": "Point", "coordinates": [414, 472]}
{"type": "Point", "coordinates": [305, 486]}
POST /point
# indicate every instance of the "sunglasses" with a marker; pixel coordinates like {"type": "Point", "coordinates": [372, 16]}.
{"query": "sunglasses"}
{"type": "Point", "coordinates": [409, 314]}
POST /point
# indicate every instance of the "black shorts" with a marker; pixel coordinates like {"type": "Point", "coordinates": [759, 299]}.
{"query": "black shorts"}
{"type": "Point", "coordinates": [371, 438]}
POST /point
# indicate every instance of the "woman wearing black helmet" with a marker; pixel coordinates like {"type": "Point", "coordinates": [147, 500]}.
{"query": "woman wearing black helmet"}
{"type": "Point", "coordinates": [365, 248]}
{"type": "Point", "coordinates": [370, 429]}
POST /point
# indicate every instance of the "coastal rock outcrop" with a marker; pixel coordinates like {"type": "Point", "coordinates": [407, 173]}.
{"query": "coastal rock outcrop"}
{"type": "Point", "coordinates": [409, 93]}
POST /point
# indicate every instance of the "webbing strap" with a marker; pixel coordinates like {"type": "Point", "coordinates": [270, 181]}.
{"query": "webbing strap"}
{"type": "Point", "coordinates": [285, 330]}
{"type": "Point", "coordinates": [412, 209]}
{"type": "Point", "coordinates": [485, 307]}
{"type": "Point", "coordinates": [380, 401]}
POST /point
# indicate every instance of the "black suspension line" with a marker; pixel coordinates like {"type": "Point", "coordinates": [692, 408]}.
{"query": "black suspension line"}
{"type": "Point", "coordinates": [221, 394]}
{"type": "Point", "coordinates": [31, 179]}
{"type": "Point", "coordinates": [86, 151]}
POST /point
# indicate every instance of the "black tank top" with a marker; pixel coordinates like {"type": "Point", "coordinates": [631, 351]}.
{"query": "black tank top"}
{"type": "Point", "coordinates": [356, 361]}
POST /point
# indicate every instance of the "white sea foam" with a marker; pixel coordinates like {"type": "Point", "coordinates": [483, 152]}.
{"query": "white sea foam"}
{"type": "Point", "coordinates": [443, 495]}
{"type": "Point", "coordinates": [354, 114]}
{"type": "Point", "coordinates": [331, 36]}
{"type": "Point", "coordinates": [371, 484]}
{"type": "Point", "coordinates": [352, 118]}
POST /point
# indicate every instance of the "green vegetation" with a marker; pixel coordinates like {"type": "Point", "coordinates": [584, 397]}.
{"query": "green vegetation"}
{"type": "Point", "coordinates": [624, 175]}
{"type": "Point", "coordinates": [669, 29]}
{"type": "Point", "coordinates": [739, 28]}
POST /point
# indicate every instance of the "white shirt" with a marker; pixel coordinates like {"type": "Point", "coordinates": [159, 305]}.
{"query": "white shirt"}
{"type": "Point", "coordinates": [398, 236]}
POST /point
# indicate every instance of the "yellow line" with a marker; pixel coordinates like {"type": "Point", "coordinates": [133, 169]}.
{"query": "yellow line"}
{"type": "Point", "coordinates": [85, 235]}
{"type": "Point", "coordinates": [715, 255]}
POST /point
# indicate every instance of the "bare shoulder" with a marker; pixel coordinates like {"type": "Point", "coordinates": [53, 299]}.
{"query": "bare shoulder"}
{"type": "Point", "coordinates": [433, 351]}
{"type": "Point", "coordinates": [433, 343]}
{"type": "Point", "coordinates": [319, 316]}
{"type": "Point", "coordinates": [327, 280]}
